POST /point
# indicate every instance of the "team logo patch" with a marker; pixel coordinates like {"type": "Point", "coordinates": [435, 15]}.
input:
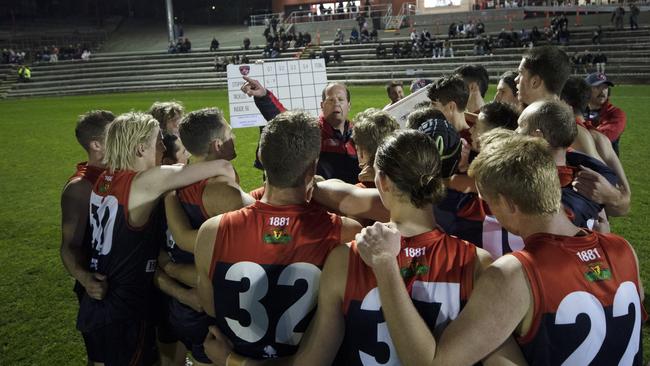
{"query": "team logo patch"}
{"type": "Point", "coordinates": [104, 186]}
{"type": "Point", "coordinates": [597, 273]}
{"type": "Point", "coordinates": [415, 268]}
{"type": "Point", "coordinates": [244, 70]}
{"type": "Point", "coordinates": [277, 236]}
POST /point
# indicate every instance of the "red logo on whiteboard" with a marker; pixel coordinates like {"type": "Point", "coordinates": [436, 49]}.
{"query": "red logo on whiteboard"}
{"type": "Point", "coordinates": [244, 70]}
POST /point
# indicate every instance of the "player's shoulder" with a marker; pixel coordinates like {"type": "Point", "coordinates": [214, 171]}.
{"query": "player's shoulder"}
{"type": "Point", "coordinates": [77, 188]}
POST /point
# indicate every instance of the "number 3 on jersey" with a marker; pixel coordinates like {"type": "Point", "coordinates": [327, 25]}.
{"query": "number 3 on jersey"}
{"type": "Point", "coordinates": [102, 218]}
{"type": "Point", "coordinates": [446, 297]}
{"type": "Point", "coordinates": [250, 300]}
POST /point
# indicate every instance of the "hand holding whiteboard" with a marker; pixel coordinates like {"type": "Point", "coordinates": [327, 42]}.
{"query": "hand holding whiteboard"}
{"type": "Point", "coordinates": [296, 83]}
{"type": "Point", "coordinates": [403, 107]}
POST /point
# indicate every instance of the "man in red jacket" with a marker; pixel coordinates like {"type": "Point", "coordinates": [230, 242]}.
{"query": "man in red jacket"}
{"type": "Point", "coordinates": [608, 119]}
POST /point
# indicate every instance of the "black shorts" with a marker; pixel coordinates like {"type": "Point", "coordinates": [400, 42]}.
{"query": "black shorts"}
{"type": "Point", "coordinates": [188, 327]}
{"type": "Point", "coordinates": [128, 342]}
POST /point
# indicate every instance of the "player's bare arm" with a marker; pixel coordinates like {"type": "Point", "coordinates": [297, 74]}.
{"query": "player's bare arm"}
{"type": "Point", "coordinates": [323, 336]}
{"type": "Point", "coordinates": [150, 184]}
{"type": "Point", "coordinates": [379, 246]}
{"type": "Point", "coordinates": [223, 194]}
{"type": "Point", "coordinates": [178, 223]}
{"type": "Point", "coordinates": [585, 143]}
{"type": "Point", "coordinates": [182, 272]}
{"type": "Point", "coordinates": [74, 220]}
{"type": "Point", "coordinates": [593, 185]}
{"type": "Point", "coordinates": [172, 288]}
{"type": "Point", "coordinates": [349, 229]}
{"type": "Point", "coordinates": [203, 250]}
{"type": "Point", "coordinates": [351, 200]}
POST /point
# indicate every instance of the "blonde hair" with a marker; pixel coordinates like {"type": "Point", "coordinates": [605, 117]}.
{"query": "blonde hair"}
{"type": "Point", "coordinates": [371, 127]}
{"type": "Point", "coordinates": [166, 111]}
{"type": "Point", "coordinates": [520, 168]}
{"type": "Point", "coordinates": [124, 134]}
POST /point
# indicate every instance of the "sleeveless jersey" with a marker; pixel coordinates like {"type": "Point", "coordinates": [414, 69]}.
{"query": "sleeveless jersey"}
{"type": "Point", "coordinates": [438, 272]}
{"type": "Point", "coordinates": [265, 274]}
{"type": "Point", "coordinates": [191, 200]}
{"type": "Point", "coordinates": [587, 308]}
{"type": "Point", "coordinates": [468, 217]}
{"type": "Point", "coordinates": [89, 174]}
{"type": "Point", "coordinates": [124, 254]}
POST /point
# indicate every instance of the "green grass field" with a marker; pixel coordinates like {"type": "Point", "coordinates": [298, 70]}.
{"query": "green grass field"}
{"type": "Point", "coordinates": [37, 305]}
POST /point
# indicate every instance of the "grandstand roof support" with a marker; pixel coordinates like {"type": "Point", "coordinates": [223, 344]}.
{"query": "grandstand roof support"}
{"type": "Point", "coordinates": [169, 7]}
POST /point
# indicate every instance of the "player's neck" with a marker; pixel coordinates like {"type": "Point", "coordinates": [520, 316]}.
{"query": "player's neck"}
{"type": "Point", "coordinates": [275, 196]}
{"type": "Point", "coordinates": [459, 122]}
{"type": "Point", "coordinates": [559, 155]}
{"type": "Point", "coordinates": [410, 220]}
{"type": "Point", "coordinates": [543, 95]}
{"type": "Point", "coordinates": [556, 224]}
{"type": "Point", "coordinates": [95, 160]}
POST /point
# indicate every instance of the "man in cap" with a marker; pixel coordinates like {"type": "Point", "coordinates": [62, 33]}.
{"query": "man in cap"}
{"type": "Point", "coordinates": [607, 118]}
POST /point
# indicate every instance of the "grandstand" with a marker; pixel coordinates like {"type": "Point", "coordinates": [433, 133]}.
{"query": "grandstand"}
{"type": "Point", "coordinates": [152, 68]}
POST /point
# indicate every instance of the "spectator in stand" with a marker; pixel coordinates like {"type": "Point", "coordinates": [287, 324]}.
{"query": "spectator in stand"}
{"type": "Point", "coordinates": [397, 49]}
{"type": "Point", "coordinates": [607, 118]}
{"type": "Point", "coordinates": [447, 48]}
{"type": "Point", "coordinates": [380, 50]}
{"type": "Point", "coordinates": [274, 24]}
{"type": "Point", "coordinates": [54, 56]}
{"type": "Point", "coordinates": [85, 55]}
{"type": "Point", "coordinates": [354, 35]}
{"type": "Point", "coordinates": [186, 46]}
{"type": "Point", "coordinates": [247, 43]}
{"type": "Point", "coordinates": [365, 35]}
{"type": "Point", "coordinates": [480, 27]}
{"type": "Point", "coordinates": [214, 45]}
{"type": "Point", "coordinates": [600, 61]}
{"type": "Point", "coordinates": [395, 91]}
{"type": "Point", "coordinates": [479, 46]}
{"type": "Point", "coordinates": [220, 63]}
{"type": "Point", "coordinates": [535, 36]}
{"type": "Point", "coordinates": [24, 73]}
{"type": "Point", "coordinates": [307, 38]}
{"type": "Point", "coordinates": [452, 30]}
{"type": "Point", "coordinates": [374, 36]}
{"type": "Point", "coordinates": [245, 59]}
{"type": "Point", "coordinates": [507, 89]}
{"type": "Point", "coordinates": [338, 37]}
{"type": "Point", "coordinates": [325, 55]}
{"type": "Point", "coordinates": [172, 48]}
{"type": "Point", "coordinates": [563, 35]}
{"type": "Point", "coordinates": [597, 35]}
{"type": "Point", "coordinates": [617, 17]}
{"type": "Point", "coordinates": [634, 16]}
{"type": "Point", "coordinates": [338, 59]}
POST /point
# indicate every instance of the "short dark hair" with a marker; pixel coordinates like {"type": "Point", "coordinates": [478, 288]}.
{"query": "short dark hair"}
{"type": "Point", "coordinates": [475, 74]}
{"type": "Point", "coordinates": [412, 162]}
{"type": "Point", "coordinates": [393, 84]}
{"type": "Point", "coordinates": [91, 126]}
{"type": "Point", "coordinates": [199, 128]}
{"type": "Point", "coordinates": [576, 93]}
{"type": "Point", "coordinates": [416, 118]}
{"type": "Point", "coordinates": [509, 77]}
{"type": "Point", "coordinates": [500, 115]}
{"type": "Point", "coordinates": [555, 119]}
{"type": "Point", "coordinates": [347, 91]}
{"type": "Point", "coordinates": [551, 64]}
{"type": "Point", "coordinates": [169, 139]}
{"type": "Point", "coordinates": [450, 88]}
{"type": "Point", "coordinates": [289, 144]}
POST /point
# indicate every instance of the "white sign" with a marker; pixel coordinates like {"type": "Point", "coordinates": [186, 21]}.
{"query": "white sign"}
{"type": "Point", "coordinates": [298, 84]}
{"type": "Point", "coordinates": [403, 107]}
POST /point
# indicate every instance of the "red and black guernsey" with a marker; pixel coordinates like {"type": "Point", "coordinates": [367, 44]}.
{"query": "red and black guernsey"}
{"type": "Point", "coordinates": [265, 273]}
{"type": "Point", "coordinates": [338, 156]}
{"type": "Point", "coordinates": [468, 217]}
{"type": "Point", "coordinates": [90, 174]}
{"type": "Point", "coordinates": [126, 255]}
{"type": "Point", "coordinates": [587, 308]}
{"type": "Point", "coordinates": [191, 200]}
{"type": "Point", "coordinates": [438, 272]}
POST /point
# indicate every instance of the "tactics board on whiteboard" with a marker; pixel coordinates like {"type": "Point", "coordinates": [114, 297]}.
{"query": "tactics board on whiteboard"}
{"type": "Point", "coordinates": [298, 84]}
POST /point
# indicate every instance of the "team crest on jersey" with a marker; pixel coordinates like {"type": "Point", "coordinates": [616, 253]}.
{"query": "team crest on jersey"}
{"type": "Point", "coordinates": [104, 186]}
{"type": "Point", "coordinates": [597, 273]}
{"type": "Point", "coordinates": [270, 352]}
{"type": "Point", "coordinates": [415, 268]}
{"type": "Point", "coordinates": [277, 236]}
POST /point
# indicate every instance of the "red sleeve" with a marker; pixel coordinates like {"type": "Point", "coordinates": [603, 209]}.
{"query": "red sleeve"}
{"type": "Point", "coordinates": [612, 123]}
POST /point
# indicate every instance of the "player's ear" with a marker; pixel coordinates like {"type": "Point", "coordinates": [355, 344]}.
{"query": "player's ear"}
{"type": "Point", "coordinates": [215, 145]}
{"type": "Point", "coordinates": [95, 145]}
{"type": "Point", "coordinates": [385, 184]}
{"type": "Point", "coordinates": [140, 149]}
{"type": "Point", "coordinates": [537, 133]}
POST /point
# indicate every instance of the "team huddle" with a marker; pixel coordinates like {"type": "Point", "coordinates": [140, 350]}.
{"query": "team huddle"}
{"type": "Point", "coordinates": [478, 233]}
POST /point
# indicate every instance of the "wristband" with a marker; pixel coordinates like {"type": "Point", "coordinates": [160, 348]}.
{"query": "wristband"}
{"type": "Point", "coordinates": [235, 360]}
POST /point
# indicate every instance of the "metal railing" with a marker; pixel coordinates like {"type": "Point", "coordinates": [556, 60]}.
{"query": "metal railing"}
{"type": "Point", "coordinates": [259, 19]}
{"type": "Point", "coordinates": [307, 16]}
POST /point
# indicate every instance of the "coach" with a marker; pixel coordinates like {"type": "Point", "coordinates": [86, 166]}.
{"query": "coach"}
{"type": "Point", "coordinates": [607, 118]}
{"type": "Point", "coordinates": [338, 157]}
